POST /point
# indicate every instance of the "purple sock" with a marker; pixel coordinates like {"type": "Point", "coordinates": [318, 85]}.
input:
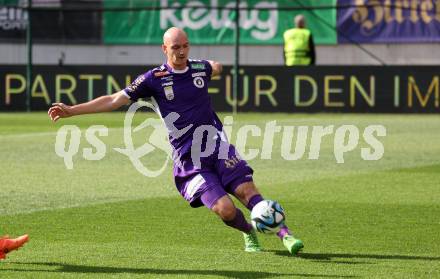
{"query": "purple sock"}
{"type": "Point", "coordinates": [253, 201]}
{"type": "Point", "coordinates": [239, 222]}
{"type": "Point", "coordinates": [283, 231]}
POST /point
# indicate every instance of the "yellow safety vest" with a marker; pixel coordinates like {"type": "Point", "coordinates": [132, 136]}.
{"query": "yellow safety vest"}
{"type": "Point", "coordinates": [296, 46]}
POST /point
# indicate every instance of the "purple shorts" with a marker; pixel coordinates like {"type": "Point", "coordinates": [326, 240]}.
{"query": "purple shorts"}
{"type": "Point", "coordinates": [214, 179]}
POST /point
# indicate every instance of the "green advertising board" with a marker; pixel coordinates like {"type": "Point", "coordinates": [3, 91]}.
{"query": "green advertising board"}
{"type": "Point", "coordinates": [210, 22]}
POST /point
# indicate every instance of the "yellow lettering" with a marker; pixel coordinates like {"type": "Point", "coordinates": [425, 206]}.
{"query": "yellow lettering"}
{"type": "Point", "coordinates": [361, 12]}
{"type": "Point", "coordinates": [424, 8]}
{"type": "Point", "coordinates": [66, 91]}
{"type": "Point", "coordinates": [39, 82]}
{"type": "Point", "coordinates": [396, 91]}
{"type": "Point", "coordinates": [399, 11]}
{"type": "Point", "coordinates": [214, 90]}
{"type": "Point", "coordinates": [437, 10]}
{"type": "Point", "coordinates": [355, 84]}
{"type": "Point", "coordinates": [367, 25]}
{"type": "Point", "coordinates": [297, 91]}
{"type": "Point", "coordinates": [228, 90]}
{"type": "Point", "coordinates": [268, 92]}
{"type": "Point", "coordinates": [113, 86]}
{"type": "Point", "coordinates": [414, 17]}
{"type": "Point", "coordinates": [90, 79]}
{"type": "Point", "coordinates": [229, 98]}
{"type": "Point", "coordinates": [388, 17]}
{"type": "Point", "coordinates": [328, 90]}
{"type": "Point", "coordinates": [378, 11]}
{"type": "Point", "coordinates": [11, 90]}
{"type": "Point", "coordinates": [433, 87]}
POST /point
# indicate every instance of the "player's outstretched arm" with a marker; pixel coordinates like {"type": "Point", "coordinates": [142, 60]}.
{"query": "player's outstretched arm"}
{"type": "Point", "coordinates": [217, 68]}
{"type": "Point", "coordinates": [100, 104]}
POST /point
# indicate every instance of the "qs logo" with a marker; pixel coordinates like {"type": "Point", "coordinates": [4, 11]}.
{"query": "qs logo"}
{"type": "Point", "coordinates": [157, 139]}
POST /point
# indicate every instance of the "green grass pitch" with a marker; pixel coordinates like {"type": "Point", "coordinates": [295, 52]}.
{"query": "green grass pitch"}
{"type": "Point", "coordinates": [103, 219]}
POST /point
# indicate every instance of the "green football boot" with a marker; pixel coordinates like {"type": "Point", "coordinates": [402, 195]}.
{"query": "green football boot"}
{"type": "Point", "coordinates": [251, 243]}
{"type": "Point", "coordinates": [292, 244]}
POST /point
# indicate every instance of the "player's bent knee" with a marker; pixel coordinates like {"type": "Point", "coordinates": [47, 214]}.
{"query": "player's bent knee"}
{"type": "Point", "coordinates": [246, 190]}
{"type": "Point", "coordinates": [228, 213]}
{"type": "Point", "coordinates": [225, 209]}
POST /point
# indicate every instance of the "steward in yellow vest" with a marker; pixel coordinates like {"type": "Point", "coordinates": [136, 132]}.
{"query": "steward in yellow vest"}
{"type": "Point", "coordinates": [299, 48]}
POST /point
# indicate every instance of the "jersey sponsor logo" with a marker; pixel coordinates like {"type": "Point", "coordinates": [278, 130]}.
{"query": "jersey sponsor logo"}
{"type": "Point", "coordinates": [135, 84]}
{"type": "Point", "coordinates": [161, 74]}
{"type": "Point", "coordinates": [167, 83]}
{"type": "Point", "coordinates": [167, 78]}
{"type": "Point", "coordinates": [169, 93]}
{"type": "Point", "coordinates": [198, 66]}
{"type": "Point", "coordinates": [199, 74]}
{"type": "Point", "coordinates": [199, 82]}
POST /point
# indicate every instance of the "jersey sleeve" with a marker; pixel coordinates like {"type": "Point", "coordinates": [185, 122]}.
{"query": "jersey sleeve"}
{"type": "Point", "coordinates": [140, 87]}
{"type": "Point", "coordinates": [208, 69]}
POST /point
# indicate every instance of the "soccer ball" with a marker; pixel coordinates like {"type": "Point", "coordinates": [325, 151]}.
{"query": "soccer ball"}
{"type": "Point", "coordinates": [267, 216]}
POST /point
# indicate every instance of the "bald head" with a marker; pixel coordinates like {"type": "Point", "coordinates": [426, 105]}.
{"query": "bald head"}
{"type": "Point", "coordinates": [300, 21]}
{"type": "Point", "coordinates": [174, 34]}
{"type": "Point", "coordinates": [176, 47]}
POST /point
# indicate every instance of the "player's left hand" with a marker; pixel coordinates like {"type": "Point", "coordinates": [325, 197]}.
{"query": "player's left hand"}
{"type": "Point", "coordinates": [59, 110]}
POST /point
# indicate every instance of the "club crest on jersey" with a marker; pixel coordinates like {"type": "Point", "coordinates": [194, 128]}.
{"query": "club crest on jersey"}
{"type": "Point", "coordinates": [169, 93]}
{"type": "Point", "coordinates": [199, 82]}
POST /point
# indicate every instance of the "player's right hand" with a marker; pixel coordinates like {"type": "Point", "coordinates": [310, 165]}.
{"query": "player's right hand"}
{"type": "Point", "coordinates": [59, 110]}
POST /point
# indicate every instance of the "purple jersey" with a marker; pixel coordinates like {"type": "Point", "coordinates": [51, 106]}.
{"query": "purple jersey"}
{"type": "Point", "coordinates": [184, 92]}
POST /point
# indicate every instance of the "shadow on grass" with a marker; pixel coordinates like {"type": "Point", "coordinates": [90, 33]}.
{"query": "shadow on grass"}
{"type": "Point", "coordinates": [329, 256]}
{"type": "Point", "coordinates": [421, 169]}
{"type": "Point", "coordinates": [70, 268]}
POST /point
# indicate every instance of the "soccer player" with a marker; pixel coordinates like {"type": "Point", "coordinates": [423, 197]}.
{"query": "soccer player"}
{"type": "Point", "coordinates": [180, 86]}
{"type": "Point", "coordinates": [10, 244]}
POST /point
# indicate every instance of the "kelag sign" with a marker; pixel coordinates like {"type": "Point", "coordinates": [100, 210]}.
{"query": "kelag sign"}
{"type": "Point", "coordinates": [265, 89]}
{"type": "Point", "coordinates": [260, 23]}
